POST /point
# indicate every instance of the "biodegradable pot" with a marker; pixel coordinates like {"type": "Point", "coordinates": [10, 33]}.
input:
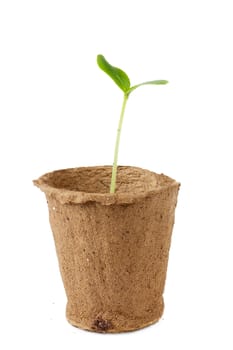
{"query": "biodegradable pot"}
{"type": "Point", "coordinates": [112, 248]}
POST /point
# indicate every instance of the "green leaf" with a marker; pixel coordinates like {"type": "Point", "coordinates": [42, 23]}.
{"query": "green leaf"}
{"type": "Point", "coordinates": [152, 82]}
{"type": "Point", "coordinates": [117, 75]}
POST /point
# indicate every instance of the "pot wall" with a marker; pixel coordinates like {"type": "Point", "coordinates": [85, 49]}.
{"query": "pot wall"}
{"type": "Point", "coordinates": [112, 248]}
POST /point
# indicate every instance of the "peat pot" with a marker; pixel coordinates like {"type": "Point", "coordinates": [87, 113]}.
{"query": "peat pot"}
{"type": "Point", "coordinates": [112, 248]}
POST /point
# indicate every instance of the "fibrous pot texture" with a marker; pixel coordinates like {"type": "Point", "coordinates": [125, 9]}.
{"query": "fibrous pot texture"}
{"type": "Point", "coordinates": [112, 248]}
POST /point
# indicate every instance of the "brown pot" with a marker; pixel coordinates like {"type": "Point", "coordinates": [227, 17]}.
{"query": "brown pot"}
{"type": "Point", "coordinates": [112, 248]}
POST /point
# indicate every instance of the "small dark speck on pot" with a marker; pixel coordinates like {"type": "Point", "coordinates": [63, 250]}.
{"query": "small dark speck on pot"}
{"type": "Point", "coordinates": [101, 325]}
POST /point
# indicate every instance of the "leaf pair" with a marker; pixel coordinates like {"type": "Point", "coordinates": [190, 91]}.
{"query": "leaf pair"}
{"type": "Point", "coordinates": [121, 78]}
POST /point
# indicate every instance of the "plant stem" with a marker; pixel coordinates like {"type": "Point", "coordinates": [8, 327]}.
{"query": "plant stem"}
{"type": "Point", "coordinates": [114, 168]}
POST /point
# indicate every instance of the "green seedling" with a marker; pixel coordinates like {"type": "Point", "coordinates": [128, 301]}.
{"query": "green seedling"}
{"type": "Point", "coordinates": [122, 80]}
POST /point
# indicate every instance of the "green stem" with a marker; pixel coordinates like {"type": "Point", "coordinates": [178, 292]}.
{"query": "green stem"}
{"type": "Point", "coordinates": [114, 168]}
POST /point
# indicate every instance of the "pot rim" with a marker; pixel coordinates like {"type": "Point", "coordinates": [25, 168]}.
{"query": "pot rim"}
{"type": "Point", "coordinates": [67, 196]}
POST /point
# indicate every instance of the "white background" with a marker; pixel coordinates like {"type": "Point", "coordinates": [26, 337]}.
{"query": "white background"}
{"type": "Point", "coordinates": [58, 110]}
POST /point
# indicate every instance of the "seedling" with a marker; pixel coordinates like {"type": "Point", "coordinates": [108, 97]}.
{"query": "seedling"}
{"type": "Point", "coordinates": [122, 80]}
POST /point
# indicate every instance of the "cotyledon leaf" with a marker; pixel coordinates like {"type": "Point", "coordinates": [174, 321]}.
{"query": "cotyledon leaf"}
{"type": "Point", "coordinates": [152, 82]}
{"type": "Point", "coordinates": [117, 75]}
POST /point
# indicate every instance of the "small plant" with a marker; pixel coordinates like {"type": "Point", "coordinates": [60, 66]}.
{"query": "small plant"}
{"type": "Point", "coordinates": [122, 80]}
